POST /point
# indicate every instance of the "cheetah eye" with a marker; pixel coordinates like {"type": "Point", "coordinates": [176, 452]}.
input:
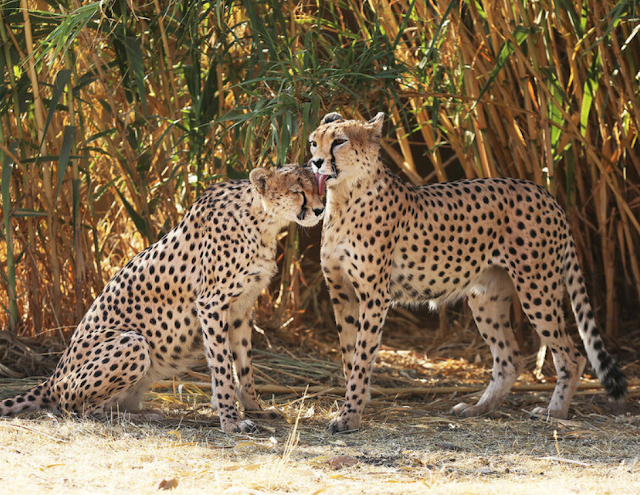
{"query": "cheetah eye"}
{"type": "Point", "coordinates": [313, 144]}
{"type": "Point", "coordinates": [338, 142]}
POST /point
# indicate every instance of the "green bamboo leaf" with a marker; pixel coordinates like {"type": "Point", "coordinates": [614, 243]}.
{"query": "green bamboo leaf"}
{"type": "Point", "coordinates": [209, 106]}
{"type": "Point", "coordinates": [53, 158]}
{"type": "Point", "coordinates": [6, 172]}
{"type": "Point", "coordinates": [570, 174]}
{"type": "Point", "coordinates": [263, 36]}
{"type": "Point", "coordinates": [436, 36]}
{"type": "Point", "coordinates": [5, 188]}
{"type": "Point", "coordinates": [76, 208]}
{"type": "Point", "coordinates": [145, 160]}
{"type": "Point", "coordinates": [6, 183]}
{"type": "Point", "coordinates": [24, 213]}
{"type": "Point", "coordinates": [19, 259]}
{"type": "Point", "coordinates": [555, 114]}
{"type": "Point", "coordinates": [625, 9]}
{"type": "Point", "coordinates": [93, 149]}
{"type": "Point", "coordinates": [102, 190]}
{"type": "Point", "coordinates": [135, 58]}
{"type": "Point", "coordinates": [69, 26]}
{"type": "Point", "coordinates": [98, 135]}
{"type": "Point", "coordinates": [575, 19]}
{"type": "Point", "coordinates": [65, 152]}
{"type": "Point", "coordinates": [139, 222]}
{"type": "Point", "coordinates": [62, 78]}
{"type": "Point", "coordinates": [405, 22]}
{"type": "Point", "coordinates": [519, 34]}
{"type": "Point", "coordinates": [591, 84]}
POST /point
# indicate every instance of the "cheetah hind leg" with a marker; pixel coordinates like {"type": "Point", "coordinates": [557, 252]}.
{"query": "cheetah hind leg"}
{"type": "Point", "coordinates": [547, 317]}
{"type": "Point", "coordinates": [490, 306]}
{"type": "Point", "coordinates": [128, 407]}
{"type": "Point", "coordinates": [559, 405]}
{"type": "Point", "coordinates": [112, 382]}
{"type": "Point", "coordinates": [569, 364]}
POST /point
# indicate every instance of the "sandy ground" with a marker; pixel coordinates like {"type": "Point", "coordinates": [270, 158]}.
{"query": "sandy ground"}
{"type": "Point", "coordinates": [406, 446]}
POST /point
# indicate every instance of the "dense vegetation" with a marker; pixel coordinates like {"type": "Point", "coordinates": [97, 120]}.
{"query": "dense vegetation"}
{"type": "Point", "coordinates": [115, 116]}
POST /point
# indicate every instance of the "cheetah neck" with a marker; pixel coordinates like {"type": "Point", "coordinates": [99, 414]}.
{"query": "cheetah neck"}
{"type": "Point", "coordinates": [268, 224]}
{"type": "Point", "coordinates": [352, 187]}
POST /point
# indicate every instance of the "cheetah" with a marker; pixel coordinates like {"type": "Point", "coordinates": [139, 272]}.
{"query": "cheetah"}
{"type": "Point", "coordinates": [191, 291]}
{"type": "Point", "coordinates": [385, 242]}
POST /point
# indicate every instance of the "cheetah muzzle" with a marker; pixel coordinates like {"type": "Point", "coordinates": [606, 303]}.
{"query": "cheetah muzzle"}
{"type": "Point", "coordinates": [190, 293]}
{"type": "Point", "coordinates": [386, 242]}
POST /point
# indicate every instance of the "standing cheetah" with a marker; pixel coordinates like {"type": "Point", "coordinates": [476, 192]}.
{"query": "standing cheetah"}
{"type": "Point", "coordinates": [386, 242]}
{"type": "Point", "coordinates": [190, 291]}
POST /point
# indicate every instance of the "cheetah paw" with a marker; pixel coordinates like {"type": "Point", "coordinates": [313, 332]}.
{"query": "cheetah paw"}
{"type": "Point", "coordinates": [240, 426]}
{"type": "Point", "coordinates": [545, 413]}
{"type": "Point", "coordinates": [344, 425]}
{"type": "Point", "coordinates": [465, 410]}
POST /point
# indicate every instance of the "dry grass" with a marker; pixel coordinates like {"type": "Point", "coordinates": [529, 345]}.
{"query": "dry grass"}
{"type": "Point", "coordinates": [404, 448]}
{"type": "Point", "coordinates": [406, 445]}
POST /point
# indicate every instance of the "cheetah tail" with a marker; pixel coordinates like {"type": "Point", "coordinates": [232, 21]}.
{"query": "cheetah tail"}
{"type": "Point", "coordinates": [31, 400]}
{"type": "Point", "coordinates": [607, 369]}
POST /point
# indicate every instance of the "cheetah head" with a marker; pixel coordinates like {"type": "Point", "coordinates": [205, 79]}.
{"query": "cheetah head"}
{"type": "Point", "coordinates": [343, 150]}
{"type": "Point", "coordinates": [289, 193]}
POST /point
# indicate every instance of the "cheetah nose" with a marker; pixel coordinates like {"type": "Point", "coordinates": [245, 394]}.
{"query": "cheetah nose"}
{"type": "Point", "coordinates": [318, 162]}
{"type": "Point", "coordinates": [318, 211]}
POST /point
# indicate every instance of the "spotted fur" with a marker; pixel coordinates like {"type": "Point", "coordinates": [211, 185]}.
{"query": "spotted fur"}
{"type": "Point", "coordinates": [386, 242]}
{"type": "Point", "coordinates": [192, 291]}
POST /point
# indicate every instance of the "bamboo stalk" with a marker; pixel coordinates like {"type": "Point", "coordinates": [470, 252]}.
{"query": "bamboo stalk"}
{"type": "Point", "coordinates": [403, 141]}
{"type": "Point", "coordinates": [286, 290]}
{"type": "Point", "coordinates": [591, 153]}
{"type": "Point", "coordinates": [5, 186]}
{"type": "Point", "coordinates": [78, 253]}
{"type": "Point", "coordinates": [56, 290]}
{"type": "Point", "coordinates": [12, 303]}
{"type": "Point", "coordinates": [402, 164]}
{"type": "Point", "coordinates": [633, 254]}
{"type": "Point", "coordinates": [429, 138]}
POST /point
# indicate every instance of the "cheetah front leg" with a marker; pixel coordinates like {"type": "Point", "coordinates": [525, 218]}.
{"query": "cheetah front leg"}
{"type": "Point", "coordinates": [345, 309]}
{"type": "Point", "coordinates": [240, 339]}
{"type": "Point", "coordinates": [373, 311]}
{"type": "Point", "coordinates": [214, 319]}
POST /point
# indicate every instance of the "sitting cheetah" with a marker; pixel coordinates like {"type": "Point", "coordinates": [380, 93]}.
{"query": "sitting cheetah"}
{"type": "Point", "coordinates": [193, 289]}
{"type": "Point", "coordinates": [386, 242]}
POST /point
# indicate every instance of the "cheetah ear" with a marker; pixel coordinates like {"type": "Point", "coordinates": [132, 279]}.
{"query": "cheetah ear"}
{"type": "Point", "coordinates": [332, 117]}
{"type": "Point", "coordinates": [259, 177]}
{"type": "Point", "coordinates": [375, 124]}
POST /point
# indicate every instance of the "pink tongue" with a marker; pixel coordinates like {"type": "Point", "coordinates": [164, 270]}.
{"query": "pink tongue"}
{"type": "Point", "coordinates": [321, 178]}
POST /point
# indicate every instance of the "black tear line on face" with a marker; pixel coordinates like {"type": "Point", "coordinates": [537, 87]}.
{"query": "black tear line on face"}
{"type": "Point", "coordinates": [303, 210]}
{"type": "Point", "coordinates": [334, 168]}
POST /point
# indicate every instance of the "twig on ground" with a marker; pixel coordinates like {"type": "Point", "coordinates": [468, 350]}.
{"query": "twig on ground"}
{"type": "Point", "coordinates": [396, 391]}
